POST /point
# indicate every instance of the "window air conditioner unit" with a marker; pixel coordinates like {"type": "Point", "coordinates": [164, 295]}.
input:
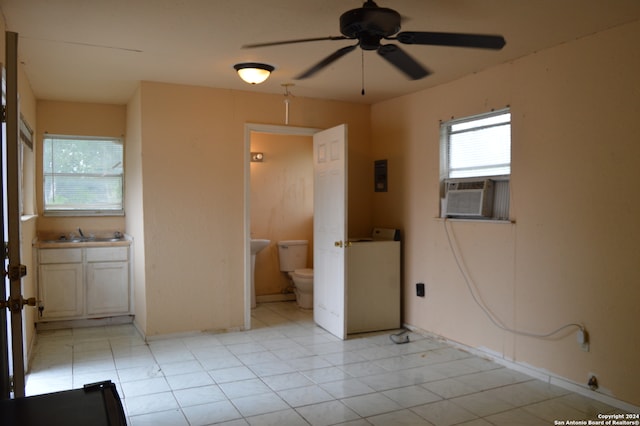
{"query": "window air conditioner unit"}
{"type": "Point", "coordinates": [469, 198]}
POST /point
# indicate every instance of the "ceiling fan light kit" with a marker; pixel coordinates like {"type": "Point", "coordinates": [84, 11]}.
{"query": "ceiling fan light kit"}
{"type": "Point", "coordinates": [370, 24]}
{"type": "Point", "coordinates": [253, 72]}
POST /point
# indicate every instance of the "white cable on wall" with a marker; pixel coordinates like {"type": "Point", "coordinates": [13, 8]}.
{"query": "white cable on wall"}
{"type": "Point", "coordinates": [492, 317]}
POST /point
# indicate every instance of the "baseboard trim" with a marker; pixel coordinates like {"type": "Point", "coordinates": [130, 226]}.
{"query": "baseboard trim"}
{"type": "Point", "coordinates": [536, 373]}
{"type": "Point", "coordinates": [81, 323]}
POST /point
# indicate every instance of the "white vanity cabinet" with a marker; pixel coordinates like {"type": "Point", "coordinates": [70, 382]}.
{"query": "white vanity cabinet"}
{"type": "Point", "coordinates": [61, 283]}
{"type": "Point", "coordinates": [107, 280]}
{"type": "Point", "coordinates": [84, 282]}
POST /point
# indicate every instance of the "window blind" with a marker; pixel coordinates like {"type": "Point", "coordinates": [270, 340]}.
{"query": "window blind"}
{"type": "Point", "coordinates": [480, 146]}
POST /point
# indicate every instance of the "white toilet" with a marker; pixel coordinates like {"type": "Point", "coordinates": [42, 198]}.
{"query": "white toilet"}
{"type": "Point", "coordinates": [293, 261]}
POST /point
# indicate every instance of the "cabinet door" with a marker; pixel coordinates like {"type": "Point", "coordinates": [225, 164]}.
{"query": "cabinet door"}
{"type": "Point", "coordinates": [61, 290]}
{"type": "Point", "coordinates": [107, 287]}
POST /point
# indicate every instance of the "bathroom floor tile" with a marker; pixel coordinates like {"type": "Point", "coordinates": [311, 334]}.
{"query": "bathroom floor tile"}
{"type": "Point", "coordinates": [189, 380]}
{"type": "Point", "coordinates": [443, 413]}
{"type": "Point", "coordinates": [287, 417]}
{"type": "Point", "coordinates": [371, 404]}
{"type": "Point", "coordinates": [259, 404]}
{"type": "Point", "coordinates": [199, 395]}
{"type": "Point", "coordinates": [153, 403]}
{"type": "Point", "coordinates": [305, 396]}
{"type": "Point", "coordinates": [347, 388]}
{"type": "Point", "coordinates": [244, 388]}
{"type": "Point", "coordinates": [214, 412]}
{"type": "Point", "coordinates": [402, 417]}
{"type": "Point", "coordinates": [162, 418]}
{"type": "Point", "coordinates": [411, 396]}
{"type": "Point", "coordinates": [327, 413]}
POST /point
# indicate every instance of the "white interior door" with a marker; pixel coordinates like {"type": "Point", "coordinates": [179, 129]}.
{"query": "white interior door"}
{"type": "Point", "coordinates": [5, 317]}
{"type": "Point", "coordinates": [330, 229]}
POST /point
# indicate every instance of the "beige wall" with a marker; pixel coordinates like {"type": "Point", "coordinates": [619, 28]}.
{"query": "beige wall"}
{"type": "Point", "coordinates": [192, 162]}
{"type": "Point", "coordinates": [281, 203]}
{"type": "Point", "coordinates": [72, 118]}
{"type": "Point", "coordinates": [573, 253]}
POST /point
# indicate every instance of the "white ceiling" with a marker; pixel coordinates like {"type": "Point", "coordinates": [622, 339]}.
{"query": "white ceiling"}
{"type": "Point", "coordinates": [98, 50]}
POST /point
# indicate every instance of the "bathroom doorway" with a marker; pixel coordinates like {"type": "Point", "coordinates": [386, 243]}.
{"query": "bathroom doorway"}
{"type": "Point", "coordinates": [265, 134]}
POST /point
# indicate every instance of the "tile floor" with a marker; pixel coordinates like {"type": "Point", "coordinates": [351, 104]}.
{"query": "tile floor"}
{"type": "Point", "coordinates": [286, 371]}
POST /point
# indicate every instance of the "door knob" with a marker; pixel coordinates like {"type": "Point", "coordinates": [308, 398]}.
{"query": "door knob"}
{"type": "Point", "coordinates": [338, 243]}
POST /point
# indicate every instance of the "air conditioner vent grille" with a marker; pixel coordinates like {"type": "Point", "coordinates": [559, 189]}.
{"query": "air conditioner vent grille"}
{"type": "Point", "coordinates": [476, 184]}
{"type": "Point", "coordinates": [469, 198]}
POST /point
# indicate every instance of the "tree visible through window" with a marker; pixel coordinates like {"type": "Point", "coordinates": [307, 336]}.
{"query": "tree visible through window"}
{"type": "Point", "coordinates": [83, 175]}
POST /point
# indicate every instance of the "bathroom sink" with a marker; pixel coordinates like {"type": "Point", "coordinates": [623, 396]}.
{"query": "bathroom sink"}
{"type": "Point", "coordinates": [258, 244]}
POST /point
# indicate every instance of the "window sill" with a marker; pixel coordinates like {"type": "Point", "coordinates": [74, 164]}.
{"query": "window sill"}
{"type": "Point", "coordinates": [85, 213]}
{"type": "Point", "coordinates": [493, 221]}
{"type": "Point", "coordinates": [28, 217]}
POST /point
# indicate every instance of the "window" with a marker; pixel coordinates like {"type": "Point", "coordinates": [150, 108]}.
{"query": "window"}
{"type": "Point", "coordinates": [479, 146]}
{"type": "Point", "coordinates": [83, 176]}
{"type": "Point", "coordinates": [474, 149]}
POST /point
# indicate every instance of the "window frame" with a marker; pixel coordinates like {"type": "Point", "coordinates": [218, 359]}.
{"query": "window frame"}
{"type": "Point", "coordinates": [445, 133]}
{"type": "Point", "coordinates": [60, 212]}
{"type": "Point", "coordinates": [502, 208]}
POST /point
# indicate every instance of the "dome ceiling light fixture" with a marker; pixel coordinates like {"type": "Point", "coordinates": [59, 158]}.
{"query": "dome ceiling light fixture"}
{"type": "Point", "coordinates": [253, 72]}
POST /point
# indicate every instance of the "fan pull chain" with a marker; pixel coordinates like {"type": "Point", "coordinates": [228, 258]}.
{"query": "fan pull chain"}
{"type": "Point", "coordinates": [362, 61]}
{"type": "Point", "coordinates": [286, 101]}
{"type": "Point", "coordinates": [362, 53]}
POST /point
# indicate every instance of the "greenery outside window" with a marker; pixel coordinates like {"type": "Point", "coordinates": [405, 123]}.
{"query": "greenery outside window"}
{"type": "Point", "coordinates": [83, 176]}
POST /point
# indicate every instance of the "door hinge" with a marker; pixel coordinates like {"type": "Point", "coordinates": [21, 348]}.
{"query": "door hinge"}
{"type": "Point", "coordinates": [17, 271]}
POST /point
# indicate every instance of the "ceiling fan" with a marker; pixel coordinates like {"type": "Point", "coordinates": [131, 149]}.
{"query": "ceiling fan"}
{"type": "Point", "coordinates": [370, 24]}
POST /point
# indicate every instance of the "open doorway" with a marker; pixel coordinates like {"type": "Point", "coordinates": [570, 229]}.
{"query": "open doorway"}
{"type": "Point", "coordinates": [250, 131]}
{"type": "Point", "coordinates": [281, 208]}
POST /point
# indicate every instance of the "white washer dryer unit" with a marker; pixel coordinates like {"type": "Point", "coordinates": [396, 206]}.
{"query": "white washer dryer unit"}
{"type": "Point", "coordinates": [373, 282]}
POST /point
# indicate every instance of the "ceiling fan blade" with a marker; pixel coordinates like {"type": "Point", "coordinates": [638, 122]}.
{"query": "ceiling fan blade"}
{"type": "Point", "coordinates": [326, 61]}
{"type": "Point", "coordinates": [482, 41]}
{"type": "Point", "coordinates": [401, 60]}
{"type": "Point", "coordinates": [301, 40]}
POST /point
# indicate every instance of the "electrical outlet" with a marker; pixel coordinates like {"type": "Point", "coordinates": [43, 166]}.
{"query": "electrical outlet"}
{"type": "Point", "coordinates": [582, 336]}
{"type": "Point", "coordinates": [593, 382]}
{"type": "Point", "coordinates": [420, 289]}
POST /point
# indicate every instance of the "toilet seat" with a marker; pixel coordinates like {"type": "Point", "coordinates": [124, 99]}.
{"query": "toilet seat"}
{"type": "Point", "coordinates": [304, 273]}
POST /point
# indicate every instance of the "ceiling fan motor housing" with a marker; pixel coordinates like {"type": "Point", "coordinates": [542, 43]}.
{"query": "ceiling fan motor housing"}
{"type": "Point", "coordinates": [370, 25]}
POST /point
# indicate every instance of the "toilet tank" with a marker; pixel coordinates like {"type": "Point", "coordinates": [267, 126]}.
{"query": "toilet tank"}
{"type": "Point", "coordinates": [293, 254]}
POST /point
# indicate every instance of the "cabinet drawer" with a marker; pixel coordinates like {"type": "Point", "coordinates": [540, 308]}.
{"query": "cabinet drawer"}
{"type": "Point", "coordinates": [68, 255]}
{"type": "Point", "coordinates": [107, 254]}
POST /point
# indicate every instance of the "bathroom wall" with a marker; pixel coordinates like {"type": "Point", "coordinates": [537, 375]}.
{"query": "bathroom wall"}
{"type": "Point", "coordinates": [281, 203]}
{"type": "Point", "coordinates": [572, 254]}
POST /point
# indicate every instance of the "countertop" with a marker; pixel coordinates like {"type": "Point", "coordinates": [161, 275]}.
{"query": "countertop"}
{"type": "Point", "coordinates": [53, 244]}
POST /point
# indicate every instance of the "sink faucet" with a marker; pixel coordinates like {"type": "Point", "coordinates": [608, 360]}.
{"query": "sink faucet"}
{"type": "Point", "coordinates": [80, 232]}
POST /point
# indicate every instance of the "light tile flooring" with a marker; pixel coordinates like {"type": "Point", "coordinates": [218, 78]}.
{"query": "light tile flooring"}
{"type": "Point", "coordinates": [287, 371]}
